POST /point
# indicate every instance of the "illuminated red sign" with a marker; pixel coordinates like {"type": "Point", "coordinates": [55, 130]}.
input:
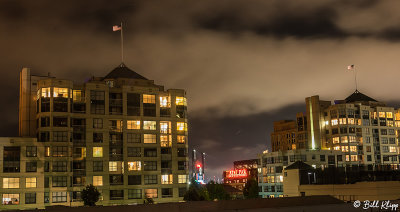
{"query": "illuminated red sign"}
{"type": "Point", "coordinates": [198, 166]}
{"type": "Point", "coordinates": [238, 173]}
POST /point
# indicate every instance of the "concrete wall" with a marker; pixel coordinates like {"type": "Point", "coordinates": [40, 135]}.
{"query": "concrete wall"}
{"type": "Point", "coordinates": [207, 205]}
{"type": "Point", "coordinates": [384, 190]}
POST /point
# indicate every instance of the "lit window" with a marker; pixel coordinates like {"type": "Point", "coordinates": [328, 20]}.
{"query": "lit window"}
{"type": "Point", "coordinates": [112, 166]}
{"type": "Point", "coordinates": [334, 122]}
{"type": "Point", "coordinates": [347, 157]}
{"type": "Point", "coordinates": [151, 193]}
{"type": "Point", "coordinates": [181, 139]}
{"type": "Point", "coordinates": [342, 121]}
{"type": "Point", "coordinates": [165, 101]}
{"type": "Point", "coordinates": [181, 126]}
{"type": "Point", "coordinates": [11, 182]}
{"type": "Point", "coordinates": [149, 99]}
{"type": "Point", "coordinates": [180, 101]}
{"type": "Point", "coordinates": [165, 127]}
{"type": "Point", "coordinates": [392, 149]}
{"type": "Point", "coordinates": [354, 158]}
{"type": "Point", "coordinates": [149, 125]}
{"type": "Point", "coordinates": [30, 182]}
{"type": "Point", "coordinates": [97, 152]}
{"type": "Point", "coordinates": [353, 148]}
{"type": "Point", "coordinates": [45, 92]}
{"type": "Point", "coordinates": [345, 148]}
{"type": "Point", "coordinates": [149, 139]}
{"type": "Point", "coordinates": [336, 148]}
{"type": "Point", "coordinates": [134, 166]}
{"type": "Point", "coordinates": [78, 96]}
{"type": "Point", "coordinates": [60, 92]}
{"type": "Point", "coordinates": [381, 114]}
{"type": "Point", "coordinates": [10, 199]}
{"type": "Point", "coordinates": [133, 125]}
{"type": "Point", "coordinates": [344, 139]}
{"type": "Point", "coordinates": [165, 140]}
{"type": "Point", "coordinates": [166, 179]}
{"type": "Point", "coordinates": [335, 140]}
{"type": "Point", "coordinates": [98, 180]}
{"type": "Point", "coordinates": [351, 120]}
{"type": "Point", "coordinates": [47, 151]}
{"type": "Point", "coordinates": [352, 138]}
{"type": "Point", "coordinates": [182, 178]}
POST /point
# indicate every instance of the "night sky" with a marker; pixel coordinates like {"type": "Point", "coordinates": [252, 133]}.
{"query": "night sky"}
{"type": "Point", "coordinates": [244, 64]}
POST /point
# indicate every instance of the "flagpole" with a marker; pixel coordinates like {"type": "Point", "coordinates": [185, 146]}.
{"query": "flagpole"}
{"type": "Point", "coordinates": [122, 44]}
{"type": "Point", "coordinates": [355, 76]}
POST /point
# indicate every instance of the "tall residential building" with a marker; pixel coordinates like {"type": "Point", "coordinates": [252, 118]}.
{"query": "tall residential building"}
{"type": "Point", "coordinates": [364, 129]}
{"type": "Point", "coordinates": [122, 133]}
{"type": "Point", "coordinates": [358, 131]}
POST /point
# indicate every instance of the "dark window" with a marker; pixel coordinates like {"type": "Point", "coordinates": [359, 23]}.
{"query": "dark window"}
{"type": "Point", "coordinates": [133, 104]}
{"type": "Point", "coordinates": [45, 121]}
{"type": "Point", "coordinates": [149, 109]}
{"type": "Point", "coordinates": [166, 192]}
{"type": "Point", "coordinates": [322, 157]}
{"type": "Point", "coordinates": [31, 166]}
{"type": "Point", "coordinates": [135, 194]}
{"type": "Point", "coordinates": [60, 136]}
{"type": "Point", "coordinates": [115, 103]}
{"type": "Point", "coordinates": [116, 194]}
{"type": "Point", "coordinates": [133, 138]}
{"type": "Point", "coordinates": [31, 151]}
{"type": "Point", "coordinates": [59, 197]}
{"type": "Point", "coordinates": [150, 152]}
{"type": "Point", "coordinates": [134, 179]}
{"type": "Point", "coordinates": [46, 166]}
{"type": "Point", "coordinates": [182, 165]}
{"type": "Point", "coordinates": [60, 121]}
{"type": "Point", "coordinates": [46, 197]}
{"type": "Point", "coordinates": [59, 166]}
{"type": "Point", "coordinates": [150, 179]}
{"type": "Point", "coordinates": [97, 166]}
{"type": "Point", "coordinates": [182, 192]}
{"type": "Point", "coordinates": [181, 111]}
{"type": "Point", "coordinates": [45, 104]}
{"type": "Point", "coordinates": [98, 123]}
{"type": "Point", "coordinates": [11, 159]}
{"type": "Point", "coordinates": [59, 151]}
{"type": "Point", "coordinates": [369, 158]}
{"type": "Point", "coordinates": [44, 136]}
{"type": "Point", "coordinates": [77, 196]}
{"type": "Point", "coordinates": [150, 165]}
{"type": "Point", "coordinates": [97, 137]}
{"type": "Point", "coordinates": [335, 131]}
{"type": "Point", "coordinates": [30, 198]}
{"type": "Point", "coordinates": [97, 103]}
{"type": "Point", "coordinates": [339, 158]}
{"type": "Point", "coordinates": [383, 131]}
{"type": "Point", "coordinates": [134, 152]}
{"type": "Point", "coordinates": [59, 181]}
{"type": "Point", "coordinates": [166, 164]}
{"type": "Point", "coordinates": [166, 150]}
{"type": "Point", "coordinates": [46, 181]}
{"type": "Point", "coordinates": [182, 152]}
{"type": "Point", "coordinates": [116, 179]}
{"type": "Point", "coordinates": [60, 104]}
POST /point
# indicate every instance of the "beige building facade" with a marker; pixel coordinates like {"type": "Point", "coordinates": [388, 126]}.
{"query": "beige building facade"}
{"type": "Point", "coordinates": [122, 133]}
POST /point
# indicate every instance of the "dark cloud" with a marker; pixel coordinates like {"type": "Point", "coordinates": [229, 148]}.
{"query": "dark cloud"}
{"type": "Point", "coordinates": [241, 63]}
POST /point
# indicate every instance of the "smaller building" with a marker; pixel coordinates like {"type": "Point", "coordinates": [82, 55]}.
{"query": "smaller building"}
{"type": "Point", "coordinates": [301, 179]}
{"type": "Point", "coordinates": [242, 172]}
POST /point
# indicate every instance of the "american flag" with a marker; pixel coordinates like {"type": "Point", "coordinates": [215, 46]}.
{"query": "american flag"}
{"type": "Point", "coordinates": [350, 67]}
{"type": "Point", "coordinates": [117, 28]}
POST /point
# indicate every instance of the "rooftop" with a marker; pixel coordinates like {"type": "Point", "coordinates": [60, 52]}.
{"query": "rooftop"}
{"type": "Point", "coordinates": [357, 96]}
{"type": "Point", "coordinates": [123, 72]}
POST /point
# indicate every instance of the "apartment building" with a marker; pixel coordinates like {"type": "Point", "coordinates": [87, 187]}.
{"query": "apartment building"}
{"type": "Point", "coordinates": [357, 131]}
{"type": "Point", "coordinates": [122, 133]}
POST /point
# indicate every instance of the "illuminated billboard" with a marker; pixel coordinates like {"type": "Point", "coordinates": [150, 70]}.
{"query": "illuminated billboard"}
{"type": "Point", "coordinates": [237, 173]}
